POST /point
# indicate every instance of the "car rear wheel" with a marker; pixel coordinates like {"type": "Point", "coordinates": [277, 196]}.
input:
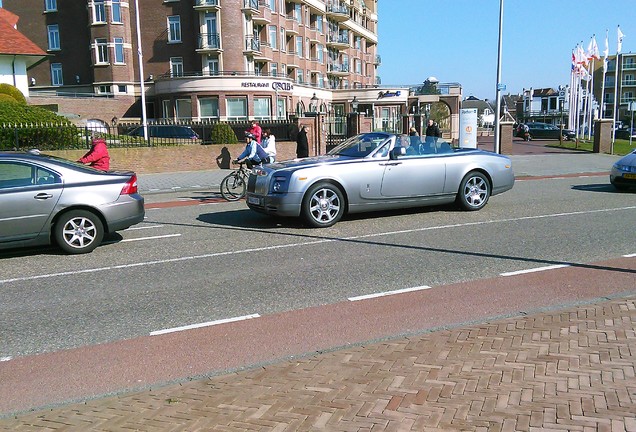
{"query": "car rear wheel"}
{"type": "Point", "coordinates": [474, 191]}
{"type": "Point", "coordinates": [78, 231]}
{"type": "Point", "coordinates": [323, 205]}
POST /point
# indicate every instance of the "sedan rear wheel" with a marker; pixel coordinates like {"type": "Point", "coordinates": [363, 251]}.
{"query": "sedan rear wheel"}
{"type": "Point", "coordinates": [323, 205]}
{"type": "Point", "coordinates": [78, 231]}
{"type": "Point", "coordinates": [474, 191]}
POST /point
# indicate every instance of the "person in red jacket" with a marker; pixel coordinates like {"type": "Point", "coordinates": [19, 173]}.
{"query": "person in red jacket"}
{"type": "Point", "coordinates": [256, 130]}
{"type": "Point", "coordinates": [97, 157]}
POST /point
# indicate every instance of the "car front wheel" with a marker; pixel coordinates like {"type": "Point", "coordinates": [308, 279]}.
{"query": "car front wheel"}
{"type": "Point", "coordinates": [78, 231]}
{"type": "Point", "coordinates": [323, 205]}
{"type": "Point", "coordinates": [474, 191]}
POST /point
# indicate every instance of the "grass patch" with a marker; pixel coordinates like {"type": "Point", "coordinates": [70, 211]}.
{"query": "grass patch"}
{"type": "Point", "coordinates": [621, 147]}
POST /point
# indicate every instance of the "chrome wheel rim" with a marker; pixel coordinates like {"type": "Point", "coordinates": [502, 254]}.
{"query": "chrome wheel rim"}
{"type": "Point", "coordinates": [79, 232]}
{"type": "Point", "coordinates": [324, 205]}
{"type": "Point", "coordinates": [475, 191]}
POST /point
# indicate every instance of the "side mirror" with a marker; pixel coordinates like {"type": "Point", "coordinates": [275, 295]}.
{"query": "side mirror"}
{"type": "Point", "coordinates": [397, 151]}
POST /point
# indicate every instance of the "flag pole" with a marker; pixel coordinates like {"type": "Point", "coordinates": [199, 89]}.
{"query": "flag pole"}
{"type": "Point", "coordinates": [605, 54]}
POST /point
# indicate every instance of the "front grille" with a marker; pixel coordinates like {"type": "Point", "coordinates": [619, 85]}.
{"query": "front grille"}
{"type": "Point", "coordinates": [251, 183]}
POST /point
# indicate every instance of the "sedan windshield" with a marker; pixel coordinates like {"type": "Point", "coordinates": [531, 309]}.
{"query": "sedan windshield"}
{"type": "Point", "coordinates": [360, 146]}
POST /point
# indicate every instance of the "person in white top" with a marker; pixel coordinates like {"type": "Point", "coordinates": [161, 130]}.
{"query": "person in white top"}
{"type": "Point", "coordinates": [268, 143]}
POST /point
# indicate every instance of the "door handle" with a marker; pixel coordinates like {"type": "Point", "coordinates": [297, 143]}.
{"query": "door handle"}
{"type": "Point", "coordinates": [43, 196]}
{"type": "Point", "coordinates": [390, 163]}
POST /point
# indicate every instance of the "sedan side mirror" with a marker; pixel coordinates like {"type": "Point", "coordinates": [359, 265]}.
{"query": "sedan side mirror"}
{"type": "Point", "coordinates": [397, 151]}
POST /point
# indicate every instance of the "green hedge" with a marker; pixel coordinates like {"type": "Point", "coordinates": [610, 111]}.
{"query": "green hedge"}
{"type": "Point", "coordinates": [25, 127]}
{"type": "Point", "coordinates": [16, 95]}
{"type": "Point", "coordinates": [222, 133]}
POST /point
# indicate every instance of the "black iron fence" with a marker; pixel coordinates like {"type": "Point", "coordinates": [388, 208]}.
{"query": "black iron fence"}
{"type": "Point", "coordinates": [127, 134]}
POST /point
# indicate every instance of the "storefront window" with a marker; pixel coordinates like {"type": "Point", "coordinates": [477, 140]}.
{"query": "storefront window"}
{"type": "Point", "coordinates": [236, 108]}
{"type": "Point", "coordinates": [209, 107]}
{"type": "Point", "coordinates": [183, 108]}
{"type": "Point", "coordinates": [262, 108]}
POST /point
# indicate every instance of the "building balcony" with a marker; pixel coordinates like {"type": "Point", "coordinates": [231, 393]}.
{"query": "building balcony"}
{"type": "Point", "coordinates": [252, 46]}
{"type": "Point", "coordinates": [264, 16]}
{"type": "Point", "coordinates": [250, 7]}
{"type": "Point", "coordinates": [209, 43]}
{"type": "Point", "coordinates": [629, 66]}
{"type": "Point", "coordinates": [207, 5]}
{"type": "Point", "coordinates": [265, 52]}
{"type": "Point", "coordinates": [627, 99]}
{"type": "Point", "coordinates": [378, 80]}
{"type": "Point", "coordinates": [628, 83]}
{"type": "Point", "coordinates": [338, 12]}
{"type": "Point", "coordinates": [338, 69]}
{"type": "Point", "coordinates": [337, 41]}
{"type": "Point", "coordinates": [291, 25]}
{"type": "Point", "coordinates": [377, 60]}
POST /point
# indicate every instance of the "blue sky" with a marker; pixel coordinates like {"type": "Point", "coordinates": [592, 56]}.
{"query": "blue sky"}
{"type": "Point", "coordinates": [456, 40]}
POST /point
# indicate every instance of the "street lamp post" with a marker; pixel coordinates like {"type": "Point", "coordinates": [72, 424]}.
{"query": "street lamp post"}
{"type": "Point", "coordinates": [499, 86]}
{"type": "Point", "coordinates": [142, 81]}
{"type": "Point", "coordinates": [354, 104]}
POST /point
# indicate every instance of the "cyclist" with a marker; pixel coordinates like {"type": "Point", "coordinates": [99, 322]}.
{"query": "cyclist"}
{"type": "Point", "coordinates": [253, 154]}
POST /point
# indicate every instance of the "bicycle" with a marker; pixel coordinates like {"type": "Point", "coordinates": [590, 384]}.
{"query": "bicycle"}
{"type": "Point", "coordinates": [234, 185]}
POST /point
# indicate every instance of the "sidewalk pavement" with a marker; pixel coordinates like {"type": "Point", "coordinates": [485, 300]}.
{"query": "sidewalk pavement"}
{"type": "Point", "coordinates": [558, 369]}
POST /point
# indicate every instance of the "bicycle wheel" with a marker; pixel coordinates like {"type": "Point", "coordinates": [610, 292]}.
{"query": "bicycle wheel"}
{"type": "Point", "coordinates": [233, 187]}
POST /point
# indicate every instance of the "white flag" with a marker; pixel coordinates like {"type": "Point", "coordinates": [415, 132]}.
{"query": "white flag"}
{"type": "Point", "coordinates": [620, 40]}
{"type": "Point", "coordinates": [606, 51]}
{"type": "Point", "coordinates": [592, 50]}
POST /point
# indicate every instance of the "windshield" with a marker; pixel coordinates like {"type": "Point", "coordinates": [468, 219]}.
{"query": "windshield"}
{"type": "Point", "coordinates": [363, 145]}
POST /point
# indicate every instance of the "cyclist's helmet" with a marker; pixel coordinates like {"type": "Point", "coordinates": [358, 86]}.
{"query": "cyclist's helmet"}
{"type": "Point", "coordinates": [249, 135]}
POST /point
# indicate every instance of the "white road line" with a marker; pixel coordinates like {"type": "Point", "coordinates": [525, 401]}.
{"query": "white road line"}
{"type": "Point", "coordinates": [534, 270]}
{"type": "Point", "coordinates": [142, 227]}
{"type": "Point", "coordinates": [388, 293]}
{"type": "Point", "coordinates": [4, 359]}
{"type": "Point", "coordinates": [205, 324]}
{"type": "Point", "coordinates": [630, 255]}
{"type": "Point", "coordinates": [291, 245]}
{"type": "Point", "coordinates": [150, 238]}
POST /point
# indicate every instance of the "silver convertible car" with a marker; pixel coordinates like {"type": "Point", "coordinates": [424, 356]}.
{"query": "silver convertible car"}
{"type": "Point", "coordinates": [378, 171]}
{"type": "Point", "coordinates": [46, 200]}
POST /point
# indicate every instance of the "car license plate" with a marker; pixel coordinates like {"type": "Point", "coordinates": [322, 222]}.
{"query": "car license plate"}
{"type": "Point", "coordinates": [254, 200]}
{"type": "Point", "coordinates": [630, 176]}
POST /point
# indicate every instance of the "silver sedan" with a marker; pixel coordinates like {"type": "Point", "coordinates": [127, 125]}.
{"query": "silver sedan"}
{"type": "Point", "coordinates": [378, 171]}
{"type": "Point", "coordinates": [51, 200]}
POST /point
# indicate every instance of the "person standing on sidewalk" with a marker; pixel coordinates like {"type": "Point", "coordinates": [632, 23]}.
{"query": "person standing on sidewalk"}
{"type": "Point", "coordinates": [256, 130]}
{"type": "Point", "coordinates": [302, 146]}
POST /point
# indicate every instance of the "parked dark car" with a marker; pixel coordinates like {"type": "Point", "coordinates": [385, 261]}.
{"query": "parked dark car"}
{"type": "Point", "coordinates": [165, 131]}
{"type": "Point", "coordinates": [46, 200]}
{"type": "Point", "coordinates": [625, 133]}
{"type": "Point", "coordinates": [538, 130]}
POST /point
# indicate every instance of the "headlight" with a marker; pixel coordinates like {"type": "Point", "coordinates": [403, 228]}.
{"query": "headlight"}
{"type": "Point", "coordinates": [280, 184]}
{"type": "Point", "coordinates": [624, 168]}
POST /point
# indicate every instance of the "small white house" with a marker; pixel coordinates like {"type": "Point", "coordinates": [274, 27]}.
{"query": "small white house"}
{"type": "Point", "coordinates": [17, 53]}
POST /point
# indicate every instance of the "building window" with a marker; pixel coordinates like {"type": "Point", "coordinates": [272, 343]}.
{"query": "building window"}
{"type": "Point", "coordinates": [56, 74]}
{"type": "Point", "coordinates": [174, 28]}
{"type": "Point", "coordinates": [99, 11]}
{"type": "Point", "coordinates": [213, 65]}
{"type": "Point", "coordinates": [273, 69]}
{"type": "Point", "coordinates": [307, 48]}
{"type": "Point", "coordinates": [54, 37]}
{"type": "Point", "coordinates": [122, 88]}
{"type": "Point", "coordinates": [50, 5]}
{"type": "Point", "coordinates": [298, 16]}
{"type": "Point", "coordinates": [183, 108]}
{"type": "Point", "coordinates": [299, 46]}
{"type": "Point", "coordinates": [236, 108]}
{"type": "Point", "coordinates": [262, 108]}
{"type": "Point", "coordinates": [116, 10]}
{"type": "Point", "coordinates": [320, 53]}
{"type": "Point", "coordinates": [283, 40]}
{"type": "Point", "coordinates": [165, 106]}
{"type": "Point", "coordinates": [272, 5]}
{"type": "Point", "coordinates": [300, 78]}
{"type": "Point", "coordinates": [319, 24]}
{"type": "Point", "coordinates": [119, 50]}
{"type": "Point", "coordinates": [176, 66]}
{"type": "Point", "coordinates": [104, 89]}
{"type": "Point", "coordinates": [209, 107]}
{"type": "Point", "coordinates": [101, 51]}
{"type": "Point", "coordinates": [358, 66]}
{"type": "Point", "coordinates": [273, 37]}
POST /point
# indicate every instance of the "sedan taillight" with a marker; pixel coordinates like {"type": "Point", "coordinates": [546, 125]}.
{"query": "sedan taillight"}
{"type": "Point", "coordinates": [130, 187]}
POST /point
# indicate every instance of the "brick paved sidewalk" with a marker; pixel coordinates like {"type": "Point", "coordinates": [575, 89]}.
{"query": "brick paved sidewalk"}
{"type": "Point", "coordinates": [571, 369]}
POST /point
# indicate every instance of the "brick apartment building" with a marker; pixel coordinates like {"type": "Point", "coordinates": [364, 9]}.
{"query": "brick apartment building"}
{"type": "Point", "coordinates": [206, 59]}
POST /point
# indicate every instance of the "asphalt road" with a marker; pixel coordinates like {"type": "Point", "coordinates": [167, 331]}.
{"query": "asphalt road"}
{"type": "Point", "coordinates": [193, 264]}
